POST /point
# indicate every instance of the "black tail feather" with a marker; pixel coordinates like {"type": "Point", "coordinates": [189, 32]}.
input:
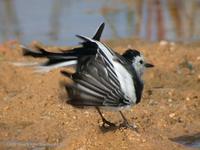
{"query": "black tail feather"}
{"type": "Point", "coordinates": [53, 57]}
{"type": "Point", "coordinates": [38, 53]}
{"type": "Point", "coordinates": [98, 34]}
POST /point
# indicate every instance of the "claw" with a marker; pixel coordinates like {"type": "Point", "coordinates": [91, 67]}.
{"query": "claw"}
{"type": "Point", "coordinates": [126, 124]}
{"type": "Point", "coordinates": [105, 122]}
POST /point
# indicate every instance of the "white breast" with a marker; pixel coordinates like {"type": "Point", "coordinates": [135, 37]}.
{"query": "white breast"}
{"type": "Point", "coordinates": [126, 81]}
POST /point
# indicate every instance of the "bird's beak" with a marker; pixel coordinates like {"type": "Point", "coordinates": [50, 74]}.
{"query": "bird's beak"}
{"type": "Point", "coordinates": [148, 65]}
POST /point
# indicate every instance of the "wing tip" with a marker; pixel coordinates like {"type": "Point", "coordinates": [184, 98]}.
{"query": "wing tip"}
{"type": "Point", "coordinates": [99, 31]}
{"type": "Point", "coordinates": [97, 35]}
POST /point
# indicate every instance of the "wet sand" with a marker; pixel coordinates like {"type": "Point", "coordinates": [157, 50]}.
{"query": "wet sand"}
{"type": "Point", "coordinates": [34, 115]}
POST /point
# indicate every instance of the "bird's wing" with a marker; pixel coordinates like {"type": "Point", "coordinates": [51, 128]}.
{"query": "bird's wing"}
{"type": "Point", "coordinates": [96, 80]}
{"type": "Point", "coordinates": [95, 85]}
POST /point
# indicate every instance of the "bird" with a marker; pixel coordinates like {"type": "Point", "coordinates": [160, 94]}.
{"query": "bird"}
{"type": "Point", "coordinates": [102, 79]}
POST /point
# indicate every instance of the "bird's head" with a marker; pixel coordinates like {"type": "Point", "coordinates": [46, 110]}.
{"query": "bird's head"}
{"type": "Point", "coordinates": [137, 60]}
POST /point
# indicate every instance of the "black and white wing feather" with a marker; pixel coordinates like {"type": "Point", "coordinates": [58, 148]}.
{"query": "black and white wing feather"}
{"type": "Point", "coordinates": [101, 79]}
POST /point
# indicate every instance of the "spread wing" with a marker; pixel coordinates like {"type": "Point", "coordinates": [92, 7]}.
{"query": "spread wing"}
{"type": "Point", "coordinates": [96, 82]}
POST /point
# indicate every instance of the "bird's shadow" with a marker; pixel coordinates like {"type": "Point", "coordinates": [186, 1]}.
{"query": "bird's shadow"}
{"type": "Point", "coordinates": [104, 129]}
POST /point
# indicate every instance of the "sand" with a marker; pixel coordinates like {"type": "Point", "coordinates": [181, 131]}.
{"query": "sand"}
{"type": "Point", "coordinates": [34, 115]}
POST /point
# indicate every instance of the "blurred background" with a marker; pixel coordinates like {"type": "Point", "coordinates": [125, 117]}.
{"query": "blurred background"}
{"type": "Point", "coordinates": [55, 22]}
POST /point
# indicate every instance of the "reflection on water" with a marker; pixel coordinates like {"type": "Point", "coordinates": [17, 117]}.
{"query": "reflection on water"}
{"type": "Point", "coordinates": [190, 140]}
{"type": "Point", "coordinates": [56, 21]}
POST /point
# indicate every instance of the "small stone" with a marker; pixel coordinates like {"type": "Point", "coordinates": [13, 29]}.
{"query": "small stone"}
{"type": "Point", "coordinates": [187, 99]}
{"type": "Point", "coordinates": [163, 43]}
{"type": "Point", "coordinates": [170, 93]}
{"type": "Point", "coordinates": [170, 100]}
{"type": "Point", "coordinates": [86, 113]}
{"type": "Point", "coordinates": [172, 115]}
{"type": "Point", "coordinates": [198, 58]}
{"type": "Point", "coordinates": [143, 140]}
{"type": "Point", "coordinates": [164, 125]}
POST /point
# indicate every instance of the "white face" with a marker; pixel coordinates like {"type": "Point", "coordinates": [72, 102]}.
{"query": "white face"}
{"type": "Point", "coordinates": [139, 64]}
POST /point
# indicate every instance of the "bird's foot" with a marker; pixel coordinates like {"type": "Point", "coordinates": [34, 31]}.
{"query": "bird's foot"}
{"type": "Point", "coordinates": [106, 123]}
{"type": "Point", "coordinates": [127, 125]}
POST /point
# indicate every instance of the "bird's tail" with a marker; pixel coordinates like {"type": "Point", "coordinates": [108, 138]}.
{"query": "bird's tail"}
{"type": "Point", "coordinates": [64, 58]}
{"type": "Point", "coordinates": [54, 60]}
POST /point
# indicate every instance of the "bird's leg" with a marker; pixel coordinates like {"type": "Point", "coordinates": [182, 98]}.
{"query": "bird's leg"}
{"type": "Point", "coordinates": [126, 123]}
{"type": "Point", "coordinates": [104, 120]}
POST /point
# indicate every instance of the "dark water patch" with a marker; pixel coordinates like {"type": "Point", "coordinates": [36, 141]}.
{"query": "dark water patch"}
{"type": "Point", "coordinates": [28, 144]}
{"type": "Point", "coordinates": [189, 140]}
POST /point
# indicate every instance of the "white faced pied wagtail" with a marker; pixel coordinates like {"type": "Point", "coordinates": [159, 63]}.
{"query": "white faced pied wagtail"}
{"type": "Point", "coordinates": [103, 78]}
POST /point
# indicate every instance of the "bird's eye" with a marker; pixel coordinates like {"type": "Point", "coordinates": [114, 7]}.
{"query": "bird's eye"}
{"type": "Point", "coordinates": [141, 62]}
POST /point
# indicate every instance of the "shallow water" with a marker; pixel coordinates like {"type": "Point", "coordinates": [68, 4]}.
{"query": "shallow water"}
{"type": "Point", "coordinates": [190, 141]}
{"type": "Point", "coordinates": [29, 145]}
{"type": "Point", "coordinates": [57, 21]}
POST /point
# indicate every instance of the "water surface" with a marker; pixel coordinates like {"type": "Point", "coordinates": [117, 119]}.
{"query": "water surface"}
{"type": "Point", "coordinates": [56, 22]}
{"type": "Point", "coordinates": [189, 140]}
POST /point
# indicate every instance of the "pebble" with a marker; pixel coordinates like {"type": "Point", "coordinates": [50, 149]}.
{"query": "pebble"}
{"type": "Point", "coordinates": [143, 140]}
{"type": "Point", "coordinates": [198, 58]}
{"type": "Point", "coordinates": [172, 115]}
{"type": "Point", "coordinates": [187, 99]}
{"type": "Point", "coordinates": [74, 117]}
{"type": "Point", "coordinates": [170, 93]}
{"type": "Point", "coordinates": [86, 113]}
{"type": "Point", "coordinates": [163, 43]}
{"type": "Point", "coordinates": [164, 125]}
{"type": "Point", "coordinates": [170, 100]}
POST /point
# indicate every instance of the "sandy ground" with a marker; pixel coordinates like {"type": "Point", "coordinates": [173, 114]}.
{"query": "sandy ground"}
{"type": "Point", "coordinates": [34, 115]}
